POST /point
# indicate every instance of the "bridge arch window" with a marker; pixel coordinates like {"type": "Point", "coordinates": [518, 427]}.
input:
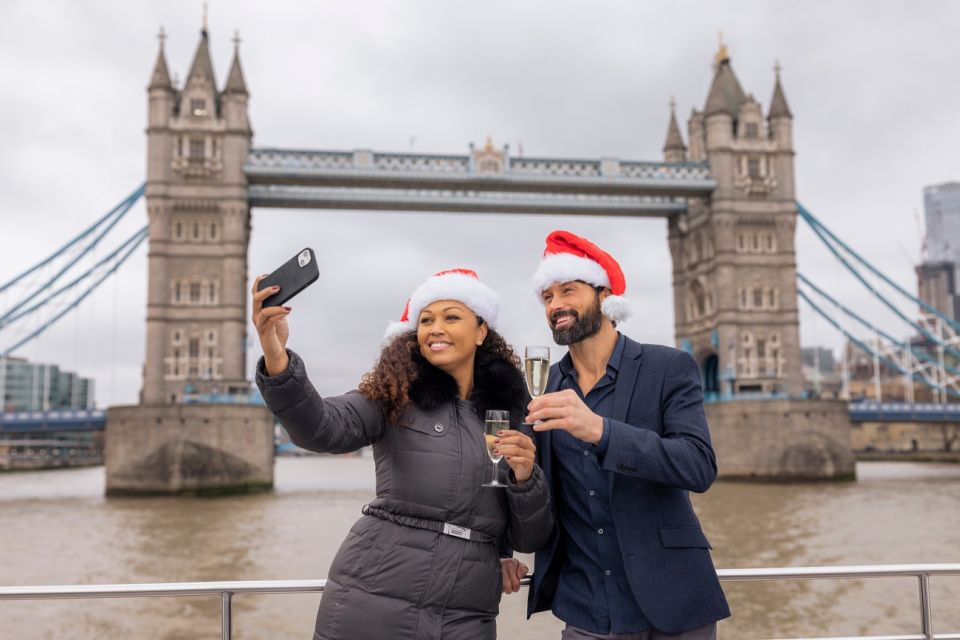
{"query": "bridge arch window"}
{"type": "Point", "coordinates": [177, 337]}
{"type": "Point", "coordinates": [194, 348]}
{"type": "Point", "coordinates": [771, 243]}
{"type": "Point", "coordinates": [194, 293]}
{"type": "Point", "coordinates": [757, 298]}
{"type": "Point", "coordinates": [741, 243]}
{"type": "Point", "coordinates": [178, 230]}
{"type": "Point", "coordinates": [213, 230]}
{"type": "Point", "coordinates": [751, 130]}
{"type": "Point", "coordinates": [212, 293]}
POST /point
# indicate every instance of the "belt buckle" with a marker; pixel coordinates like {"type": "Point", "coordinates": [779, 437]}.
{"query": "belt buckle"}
{"type": "Point", "coordinates": [456, 531]}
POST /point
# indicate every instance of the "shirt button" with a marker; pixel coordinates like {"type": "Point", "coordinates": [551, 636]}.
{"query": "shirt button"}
{"type": "Point", "coordinates": [592, 492]}
{"type": "Point", "coordinates": [586, 453]}
{"type": "Point", "coordinates": [600, 531]}
{"type": "Point", "coordinates": [607, 572]}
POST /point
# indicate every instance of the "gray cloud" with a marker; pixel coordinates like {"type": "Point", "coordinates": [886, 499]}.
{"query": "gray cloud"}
{"type": "Point", "coordinates": [870, 83]}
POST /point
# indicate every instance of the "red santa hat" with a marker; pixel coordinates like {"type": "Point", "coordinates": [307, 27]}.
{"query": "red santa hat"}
{"type": "Point", "coordinates": [569, 257]}
{"type": "Point", "coordinates": [462, 285]}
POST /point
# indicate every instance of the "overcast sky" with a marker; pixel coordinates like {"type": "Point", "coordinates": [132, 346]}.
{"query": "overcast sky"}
{"type": "Point", "coordinates": [872, 85]}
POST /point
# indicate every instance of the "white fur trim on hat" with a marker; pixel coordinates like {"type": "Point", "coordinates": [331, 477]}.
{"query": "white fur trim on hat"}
{"type": "Point", "coordinates": [617, 308]}
{"type": "Point", "coordinates": [480, 298]}
{"type": "Point", "coordinates": [566, 267]}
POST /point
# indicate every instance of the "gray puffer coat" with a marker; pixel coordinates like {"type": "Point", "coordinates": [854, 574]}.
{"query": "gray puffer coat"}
{"type": "Point", "coordinates": [397, 575]}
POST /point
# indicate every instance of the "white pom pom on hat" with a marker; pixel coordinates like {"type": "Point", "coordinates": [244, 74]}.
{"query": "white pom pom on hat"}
{"type": "Point", "coordinates": [462, 285]}
{"type": "Point", "coordinates": [568, 257]}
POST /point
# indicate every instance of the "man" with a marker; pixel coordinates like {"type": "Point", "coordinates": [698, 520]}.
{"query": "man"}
{"type": "Point", "coordinates": [622, 439]}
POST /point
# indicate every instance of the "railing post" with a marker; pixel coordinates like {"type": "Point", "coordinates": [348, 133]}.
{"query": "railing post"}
{"type": "Point", "coordinates": [226, 630]}
{"type": "Point", "coordinates": [926, 616]}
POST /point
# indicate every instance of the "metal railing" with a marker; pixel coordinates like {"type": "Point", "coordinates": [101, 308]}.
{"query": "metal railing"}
{"type": "Point", "coordinates": [226, 590]}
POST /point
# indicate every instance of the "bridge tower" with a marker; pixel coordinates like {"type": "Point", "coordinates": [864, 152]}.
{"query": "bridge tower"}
{"type": "Point", "coordinates": [197, 140]}
{"type": "Point", "coordinates": [734, 267]}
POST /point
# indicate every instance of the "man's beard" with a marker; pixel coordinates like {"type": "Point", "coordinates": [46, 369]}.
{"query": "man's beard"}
{"type": "Point", "coordinates": [581, 328]}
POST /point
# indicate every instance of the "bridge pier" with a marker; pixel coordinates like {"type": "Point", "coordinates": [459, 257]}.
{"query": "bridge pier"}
{"type": "Point", "coordinates": [188, 449]}
{"type": "Point", "coordinates": [782, 440]}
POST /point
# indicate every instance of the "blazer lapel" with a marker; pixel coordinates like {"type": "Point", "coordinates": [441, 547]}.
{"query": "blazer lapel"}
{"type": "Point", "coordinates": [626, 380]}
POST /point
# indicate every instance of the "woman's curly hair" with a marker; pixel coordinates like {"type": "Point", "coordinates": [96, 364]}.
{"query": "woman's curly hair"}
{"type": "Point", "coordinates": [400, 364]}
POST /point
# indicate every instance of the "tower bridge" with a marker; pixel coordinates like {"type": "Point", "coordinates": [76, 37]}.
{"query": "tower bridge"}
{"type": "Point", "coordinates": [726, 192]}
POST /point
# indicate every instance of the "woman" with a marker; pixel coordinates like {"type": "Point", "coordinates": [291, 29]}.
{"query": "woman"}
{"type": "Point", "coordinates": [423, 561]}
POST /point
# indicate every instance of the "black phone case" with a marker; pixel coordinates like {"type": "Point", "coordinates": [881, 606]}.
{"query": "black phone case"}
{"type": "Point", "coordinates": [292, 279]}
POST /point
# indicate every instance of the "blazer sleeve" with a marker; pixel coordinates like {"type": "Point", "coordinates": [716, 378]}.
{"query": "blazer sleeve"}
{"type": "Point", "coordinates": [333, 425]}
{"type": "Point", "coordinates": [531, 516]}
{"type": "Point", "coordinates": [682, 455]}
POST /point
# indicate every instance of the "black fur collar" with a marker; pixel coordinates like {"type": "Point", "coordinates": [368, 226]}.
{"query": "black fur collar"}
{"type": "Point", "coordinates": [496, 385]}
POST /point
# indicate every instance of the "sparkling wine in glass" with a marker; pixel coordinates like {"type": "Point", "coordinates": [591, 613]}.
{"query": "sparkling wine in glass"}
{"type": "Point", "coordinates": [536, 369]}
{"type": "Point", "coordinates": [496, 420]}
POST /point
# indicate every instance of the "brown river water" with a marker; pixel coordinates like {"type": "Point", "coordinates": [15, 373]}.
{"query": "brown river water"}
{"type": "Point", "coordinates": [57, 528]}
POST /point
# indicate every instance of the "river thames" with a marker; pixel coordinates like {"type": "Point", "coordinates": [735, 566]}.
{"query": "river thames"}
{"type": "Point", "coordinates": [59, 529]}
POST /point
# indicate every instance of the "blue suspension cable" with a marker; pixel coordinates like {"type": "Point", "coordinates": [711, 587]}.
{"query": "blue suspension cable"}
{"type": "Point", "coordinates": [79, 299]}
{"type": "Point", "coordinates": [902, 345]}
{"type": "Point", "coordinates": [890, 363]}
{"type": "Point", "coordinates": [119, 216]}
{"type": "Point", "coordinates": [10, 319]}
{"type": "Point", "coordinates": [814, 222]}
{"type": "Point", "coordinates": [125, 204]}
{"type": "Point", "coordinates": [853, 270]}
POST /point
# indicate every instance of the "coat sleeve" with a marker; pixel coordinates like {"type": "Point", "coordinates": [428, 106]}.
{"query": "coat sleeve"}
{"type": "Point", "coordinates": [531, 516]}
{"type": "Point", "coordinates": [332, 425]}
{"type": "Point", "coordinates": [682, 455]}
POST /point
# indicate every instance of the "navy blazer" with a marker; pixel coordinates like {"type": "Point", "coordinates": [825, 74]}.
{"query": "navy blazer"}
{"type": "Point", "coordinates": [659, 450]}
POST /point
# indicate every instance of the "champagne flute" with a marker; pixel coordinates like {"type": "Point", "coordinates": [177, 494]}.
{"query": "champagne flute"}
{"type": "Point", "coordinates": [536, 369]}
{"type": "Point", "coordinates": [496, 420]}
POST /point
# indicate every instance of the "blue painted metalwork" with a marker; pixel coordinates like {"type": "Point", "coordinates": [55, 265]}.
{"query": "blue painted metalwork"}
{"type": "Point", "coordinates": [903, 412]}
{"type": "Point", "coordinates": [821, 229]}
{"type": "Point", "coordinates": [111, 219]}
{"type": "Point", "coordinates": [138, 239]}
{"type": "Point", "coordinates": [868, 349]}
{"type": "Point", "coordinates": [52, 421]}
{"type": "Point", "coordinates": [899, 344]}
{"type": "Point", "coordinates": [822, 234]}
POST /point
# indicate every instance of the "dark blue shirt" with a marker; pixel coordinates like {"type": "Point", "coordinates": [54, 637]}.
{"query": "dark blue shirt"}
{"type": "Point", "coordinates": [593, 593]}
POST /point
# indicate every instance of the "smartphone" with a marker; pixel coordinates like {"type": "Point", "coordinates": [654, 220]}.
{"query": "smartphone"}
{"type": "Point", "coordinates": [293, 276]}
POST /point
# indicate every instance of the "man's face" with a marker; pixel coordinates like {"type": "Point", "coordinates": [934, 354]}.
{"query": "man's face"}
{"type": "Point", "coordinates": [573, 311]}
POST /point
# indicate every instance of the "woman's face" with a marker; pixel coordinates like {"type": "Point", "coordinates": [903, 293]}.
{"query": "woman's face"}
{"type": "Point", "coordinates": [448, 333]}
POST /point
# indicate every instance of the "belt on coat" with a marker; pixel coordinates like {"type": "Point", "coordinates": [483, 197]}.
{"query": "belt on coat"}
{"type": "Point", "coordinates": [446, 528]}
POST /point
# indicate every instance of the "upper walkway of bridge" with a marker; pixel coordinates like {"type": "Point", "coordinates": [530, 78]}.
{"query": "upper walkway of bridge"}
{"type": "Point", "coordinates": [485, 180]}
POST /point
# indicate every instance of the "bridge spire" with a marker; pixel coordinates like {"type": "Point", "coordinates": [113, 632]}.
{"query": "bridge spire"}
{"type": "Point", "coordinates": [726, 95]}
{"type": "Point", "coordinates": [160, 79]}
{"type": "Point", "coordinates": [778, 103]}
{"type": "Point", "coordinates": [235, 81]}
{"type": "Point", "coordinates": [201, 70]}
{"type": "Point", "coordinates": [673, 149]}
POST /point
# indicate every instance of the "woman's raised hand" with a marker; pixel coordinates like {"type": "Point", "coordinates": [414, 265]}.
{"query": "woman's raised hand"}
{"type": "Point", "coordinates": [519, 451]}
{"type": "Point", "coordinates": [271, 325]}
